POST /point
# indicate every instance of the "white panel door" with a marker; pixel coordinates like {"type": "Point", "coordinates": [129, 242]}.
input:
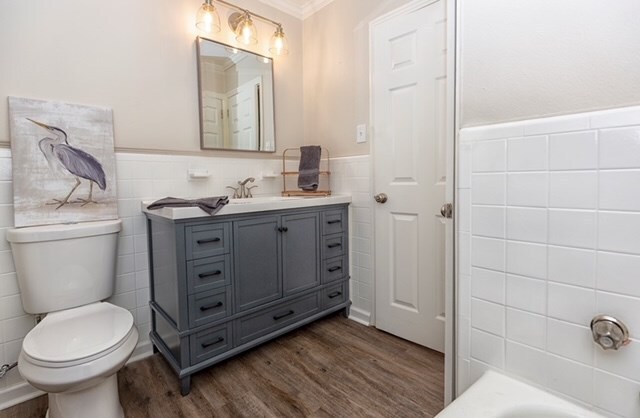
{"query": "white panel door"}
{"type": "Point", "coordinates": [409, 94]}
{"type": "Point", "coordinates": [244, 118]}
{"type": "Point", "coordinates": [213, 120]}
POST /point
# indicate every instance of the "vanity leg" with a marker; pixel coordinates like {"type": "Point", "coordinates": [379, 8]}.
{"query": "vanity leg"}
{"type": "Point", "coordinates": [185, 385]}
{"type": "Point", "coordinates": [155, 349]}
{"type": "Point", "coordinates": [345, 312]}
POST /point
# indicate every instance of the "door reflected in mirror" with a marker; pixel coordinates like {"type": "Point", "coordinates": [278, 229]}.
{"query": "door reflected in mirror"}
{"type": "Point", "coordinates": [235, 92]}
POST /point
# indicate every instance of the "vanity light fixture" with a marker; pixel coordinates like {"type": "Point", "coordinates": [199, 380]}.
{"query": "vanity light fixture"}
{"type": "Point", "coordinates": [241, 23]}
{"type": "Point", "coordinates": [207, 19]}
{"type": "Point", "coordinates": [243, 27]}
{"type": "Point", "coordinates": [279, 42]}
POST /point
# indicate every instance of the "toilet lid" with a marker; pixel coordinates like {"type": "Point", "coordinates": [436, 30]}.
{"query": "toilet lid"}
{"type": "Point", "coordinates": [78, 333]}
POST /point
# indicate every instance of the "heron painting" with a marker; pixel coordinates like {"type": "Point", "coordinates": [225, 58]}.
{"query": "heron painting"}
{"type": "Point", "coordinates": [60, 155]}
{"type": "Point", "coordinates": [63, 162]}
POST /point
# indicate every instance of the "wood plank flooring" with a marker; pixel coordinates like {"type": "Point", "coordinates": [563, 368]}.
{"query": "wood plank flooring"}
{"type": "Point", "coordinates": [331, 368]}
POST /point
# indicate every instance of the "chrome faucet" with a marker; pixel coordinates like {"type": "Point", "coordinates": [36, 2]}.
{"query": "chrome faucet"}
{"type": "Point", "coordinates": [247, 180]}
{"type": "Point", "coordinates": [243, 191]}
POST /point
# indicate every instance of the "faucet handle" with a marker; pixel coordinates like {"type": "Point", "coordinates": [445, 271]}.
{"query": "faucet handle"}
{"type": "Point", "coordinates": [235, 192]}
{"type": "Point", "coordinates": [249, 190]}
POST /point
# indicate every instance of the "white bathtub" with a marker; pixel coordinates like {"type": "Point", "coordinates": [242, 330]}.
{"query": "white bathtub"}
{"type": "Point", "coordinates": [497, 396]}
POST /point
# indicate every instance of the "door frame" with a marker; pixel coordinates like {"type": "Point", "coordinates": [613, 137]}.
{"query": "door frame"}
{"type": "Point", "coordinates": [451, 134]}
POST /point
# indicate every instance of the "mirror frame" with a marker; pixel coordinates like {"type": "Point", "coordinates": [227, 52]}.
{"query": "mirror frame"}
{"type": "Point", "coordinates": [201, 109]}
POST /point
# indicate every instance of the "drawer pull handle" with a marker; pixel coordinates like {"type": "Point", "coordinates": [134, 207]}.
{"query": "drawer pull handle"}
{"type": "Point", "coordinates": [284, 315]}
{"type": "Point", "coordinates": [337, 244]}
{"type": "Point", "coordinates": [334, 268]}
{"type": "Point", "coordinates": [337, 221]}
{"type": "Point", "coordinates": [210, 343]}
{"type": "Point", "coordinates": [208, 240]}
{"type": "Point", "coordinates": [207, 307]}
{"type": "Point", "coordinates": [209, 274]}
{"type": "Point", "coordinates": [334, 294]}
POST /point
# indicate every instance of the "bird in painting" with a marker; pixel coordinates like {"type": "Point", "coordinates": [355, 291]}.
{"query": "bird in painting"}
{"type": "Point", "coordinates": [62, 157]}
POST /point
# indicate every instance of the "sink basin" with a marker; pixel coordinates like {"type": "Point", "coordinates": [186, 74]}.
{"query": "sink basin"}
{"type": "Point", "coordinates": [254, 204]}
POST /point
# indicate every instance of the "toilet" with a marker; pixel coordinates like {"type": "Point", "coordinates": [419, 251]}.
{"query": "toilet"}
{"type": "Point", "coordinates": [66, 271]}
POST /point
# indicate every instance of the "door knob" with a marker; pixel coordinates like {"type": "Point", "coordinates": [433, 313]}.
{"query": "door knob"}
{"type": "Point", "coordinates": [446, 210]}
{"type": "Point", "coordinates": [380, 198]}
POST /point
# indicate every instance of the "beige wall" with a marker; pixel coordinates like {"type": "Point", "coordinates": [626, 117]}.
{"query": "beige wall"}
{"type": "Point", "coordinates": [137, 57]}
{"type": "Point", "coordinates": [526, 59]}
{"type": "Point", "coordinates": [518, 60]}
{"type": "Point", "coordinates": [336, 73]}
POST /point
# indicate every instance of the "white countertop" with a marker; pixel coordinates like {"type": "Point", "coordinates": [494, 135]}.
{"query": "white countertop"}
{"type": "Point", "coordinates": [255, 204]}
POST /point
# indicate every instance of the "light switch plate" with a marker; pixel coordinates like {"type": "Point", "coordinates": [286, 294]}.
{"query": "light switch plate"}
{"type": "Point", "coordinates": [361, 133]}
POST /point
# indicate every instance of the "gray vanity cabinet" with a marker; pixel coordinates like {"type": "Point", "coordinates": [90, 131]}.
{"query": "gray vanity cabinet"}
{"type": "Point", "coordinates": [224, 284]}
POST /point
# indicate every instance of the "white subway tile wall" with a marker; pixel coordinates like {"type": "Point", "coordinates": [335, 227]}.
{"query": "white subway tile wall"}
{"type": "Point", "coordinates": [150, 176]}
{"type": "Point", "coordinates": [352, 175]}
{"type": "Point", "coordinates": [549, 248]}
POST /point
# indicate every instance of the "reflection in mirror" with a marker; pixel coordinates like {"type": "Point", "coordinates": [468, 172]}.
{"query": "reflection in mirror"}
{"type": "Point", "coordinates": [236, 98]}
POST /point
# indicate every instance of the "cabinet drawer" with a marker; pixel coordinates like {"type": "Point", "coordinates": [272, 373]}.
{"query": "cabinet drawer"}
{"type": "Point", "coordinates": [209, 343]}
{"type": "Point", "coordinates": [208, 273]}
{"type": "Point", "coordinates": [334, 269]}
{"type": "Point", "coordinates": [205, 307]}
{"type": "Point", "coordinates": [333, 222]}
{"type": "Point", "coordinates": [207, 240]}
{"type": "Point", "coordinates": [333, 246]}
{"type": "Point", "coordinates": [262, 323]}
{"type": "Point", "coordinates": [334, 295]}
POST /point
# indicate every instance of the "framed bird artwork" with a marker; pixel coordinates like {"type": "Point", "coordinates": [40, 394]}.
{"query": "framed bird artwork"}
{"type": "Point", "coordinates": [63, 162]}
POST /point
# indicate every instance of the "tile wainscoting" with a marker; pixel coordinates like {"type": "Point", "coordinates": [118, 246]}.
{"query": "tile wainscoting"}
{"type": "Point", "coordinates": [548, 237]}
{"type": "Point", "coordinates": [151, 176]}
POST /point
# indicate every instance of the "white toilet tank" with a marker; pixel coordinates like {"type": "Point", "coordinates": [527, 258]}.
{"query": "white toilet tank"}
{"type": "Point", "coordinates": [66, 265]}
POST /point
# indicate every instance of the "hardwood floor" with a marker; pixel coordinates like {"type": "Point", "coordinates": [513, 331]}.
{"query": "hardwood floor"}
{"type": "Point", "coordinates": [332, 368]}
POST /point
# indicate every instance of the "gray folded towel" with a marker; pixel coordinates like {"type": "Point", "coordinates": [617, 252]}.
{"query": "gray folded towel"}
{"type": "Point", "coordinates": [211, 205]}
{"type": "Point", "coordinates": [309, 168]}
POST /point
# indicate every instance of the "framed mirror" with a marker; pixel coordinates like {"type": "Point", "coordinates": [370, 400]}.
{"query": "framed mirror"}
{"type": "Point", "coordinates": [235, 93]}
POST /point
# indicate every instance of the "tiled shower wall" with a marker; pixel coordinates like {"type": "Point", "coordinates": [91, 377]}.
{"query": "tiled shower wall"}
{"type": "Point", "coordinates": [549, 236]}
{"type": "Point", "coordinates": [150, 176]}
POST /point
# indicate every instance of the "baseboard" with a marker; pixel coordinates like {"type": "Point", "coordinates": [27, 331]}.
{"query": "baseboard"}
{"type": "Point", "coordinates": [360, 316]}
{"type": "Point", "coordinates": [16, 394]}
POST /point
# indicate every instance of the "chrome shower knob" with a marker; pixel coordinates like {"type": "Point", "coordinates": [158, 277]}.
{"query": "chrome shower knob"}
{"type": "Point", "coordinates": [609, 332]}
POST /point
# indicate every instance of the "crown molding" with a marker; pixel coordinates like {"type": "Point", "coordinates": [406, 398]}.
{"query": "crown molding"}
{"type": "Point", "coordinates": [312, 6]}
{"type": "Point", "coordinates": [296, 9]}
{"type": "Point", "coordinates": [290, 7]}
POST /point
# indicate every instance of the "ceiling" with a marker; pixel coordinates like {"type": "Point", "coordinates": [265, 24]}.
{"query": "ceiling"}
{"type": "Point", "coordinates": [301, 9]}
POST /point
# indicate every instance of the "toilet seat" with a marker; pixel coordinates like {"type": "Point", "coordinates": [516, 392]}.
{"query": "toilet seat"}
{"type": "Point", "coordinates": [79, 335]}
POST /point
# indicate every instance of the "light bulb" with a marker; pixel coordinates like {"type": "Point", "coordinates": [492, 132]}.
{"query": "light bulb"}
{"type": "Point", "coordinates": [207, 18]}
{"type": "Point", "coordinates": [246, 35]}
{"type": "Point", "coordinates": [279, 43]}
{"type": "Point", "coordinates": [246, 31]}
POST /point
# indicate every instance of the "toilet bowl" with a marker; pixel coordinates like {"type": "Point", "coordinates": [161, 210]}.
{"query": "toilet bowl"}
{"type": "Point", "coordinates": [75, 352]}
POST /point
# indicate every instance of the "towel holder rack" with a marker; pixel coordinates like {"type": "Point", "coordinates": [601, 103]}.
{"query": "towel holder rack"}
{"type": "Point", "coordinates": [325, 175]}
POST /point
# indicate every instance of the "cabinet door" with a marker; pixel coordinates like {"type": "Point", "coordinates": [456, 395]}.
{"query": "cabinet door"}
{"type": "Point", "coordinates": [256, 244]}
{"type": "Point", "coordinates": [300, 252]}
